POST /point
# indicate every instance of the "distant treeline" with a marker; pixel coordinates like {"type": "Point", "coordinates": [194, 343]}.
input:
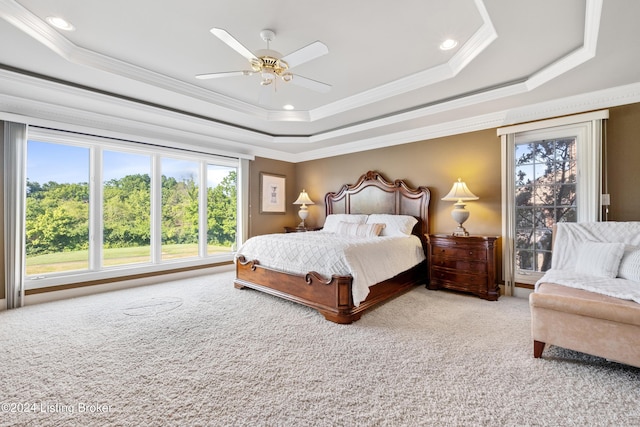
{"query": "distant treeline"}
{"type": "Point", "coordinates": [57, 217]}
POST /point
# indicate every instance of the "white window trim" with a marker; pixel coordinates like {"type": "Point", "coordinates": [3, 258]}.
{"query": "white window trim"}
{"type": "Point", "coordinates": [589, 129]}
{"type": "Point", "coordinates": [156, 264]}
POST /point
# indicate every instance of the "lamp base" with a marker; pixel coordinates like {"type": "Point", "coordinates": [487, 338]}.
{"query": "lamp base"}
{"type": "Point", "coordinates": [460, 232]}
{"type": "Point", "coordinates": [303, 213]}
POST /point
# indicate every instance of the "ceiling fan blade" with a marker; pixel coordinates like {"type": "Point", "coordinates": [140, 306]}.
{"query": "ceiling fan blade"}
{"type": "Point", "coordinates": [233, 43]}
{"type": "Point", "coordinates": [310, 84]}
{"type": "Point", "coordinates": [225, 74]}
{"type": "Point", "coordinates": [307, 53]}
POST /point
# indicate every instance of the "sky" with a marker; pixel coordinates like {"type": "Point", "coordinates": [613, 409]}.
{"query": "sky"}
{"type": "Point", "coordinates": [70, 164]}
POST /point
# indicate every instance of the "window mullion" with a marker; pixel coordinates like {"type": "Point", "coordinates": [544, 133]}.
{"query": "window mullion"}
{"type": "Point", "coordinates": [95, 209]}
{"type": "Point", "coordinates": [203, 209]}
{"type": "Point", "coordinates": [156, 209]}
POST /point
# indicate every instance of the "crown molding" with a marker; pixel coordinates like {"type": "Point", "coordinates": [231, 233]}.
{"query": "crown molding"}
{"type": "Point", "coordinates": [43, 102]}
{"type": "Point", "coordinates": [607, 98]}
{"type": "Point", "coordinates": [33, 26]}
{"type": "Point", "coordinates": [224, 106]}
{"type": "Point", "coordinates": [579, 56]}
{"type": "Point", "coordinates": [476, 44]}
{"type": "Point", "coordinates": [39, 30]}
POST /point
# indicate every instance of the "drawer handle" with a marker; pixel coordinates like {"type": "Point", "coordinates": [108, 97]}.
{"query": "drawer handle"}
{"type": "Point", "coordinates": [470, 252]}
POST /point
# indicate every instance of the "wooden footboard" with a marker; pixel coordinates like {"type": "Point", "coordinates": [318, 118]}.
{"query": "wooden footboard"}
{"type": "Point", "coordinates": [332, 297]}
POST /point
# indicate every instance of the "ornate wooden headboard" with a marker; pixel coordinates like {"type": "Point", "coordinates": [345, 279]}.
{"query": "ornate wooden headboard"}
{"type": "Point", "coordinates": [373, 194]}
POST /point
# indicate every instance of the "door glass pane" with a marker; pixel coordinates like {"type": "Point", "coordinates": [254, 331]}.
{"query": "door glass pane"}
{"type": "Point", "coordinates": [126, 208]}
{"type": "Point", "coordinates": [545, 193]}
{"type": "Point", "coordinates": [221, 209]}
{"type": "Point", "coordinates": [180, 180]}
{"type": "Point", "coordinates": [57, 208]}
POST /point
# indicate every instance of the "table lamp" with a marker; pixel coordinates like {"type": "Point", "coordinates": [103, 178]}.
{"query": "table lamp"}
{"type": "Point", "coordinates": [460, 193]}
{"type": "Point", "coordinates": [304, 200]}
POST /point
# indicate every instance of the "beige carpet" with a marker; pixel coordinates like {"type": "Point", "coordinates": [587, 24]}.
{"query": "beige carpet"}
{"type": "Point", "coordinates": [200, 352]}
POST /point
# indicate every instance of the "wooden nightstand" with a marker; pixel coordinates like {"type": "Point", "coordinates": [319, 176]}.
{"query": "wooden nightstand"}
{"type": "Point", "coordinates": [466, 264]}
{"type": "Point", "coordinates": [300, 229]}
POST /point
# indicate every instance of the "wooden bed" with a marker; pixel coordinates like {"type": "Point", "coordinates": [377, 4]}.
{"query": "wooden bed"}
{"type": "Point", "coordinates": [332, 297]}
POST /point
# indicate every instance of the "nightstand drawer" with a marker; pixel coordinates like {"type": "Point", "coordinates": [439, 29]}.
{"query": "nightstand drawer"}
{"type": "Point", "coordinates": [466, 280]}
{"type": "Point", "coordinates": [460, 252]}
{"type": "Point", "coordinates": [459, 264]}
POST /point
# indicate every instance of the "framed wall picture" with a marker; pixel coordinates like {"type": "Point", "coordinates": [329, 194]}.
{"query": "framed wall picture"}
{"type": "Point", "coordinates": [272, 193]}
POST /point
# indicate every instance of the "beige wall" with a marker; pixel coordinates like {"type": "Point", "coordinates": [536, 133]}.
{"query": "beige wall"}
{"type": "Point", "coordinates": [264, 223]}
{"type": "Point", "coordinates": [474, 157]}
{"type": "Point", "coordinates": [436, 164]}
{"type": "Point", "coordinates": [622, 162]}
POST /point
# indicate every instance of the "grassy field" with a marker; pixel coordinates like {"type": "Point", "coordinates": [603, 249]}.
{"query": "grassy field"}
{"type": "Point", "coordinates": [79, 260]}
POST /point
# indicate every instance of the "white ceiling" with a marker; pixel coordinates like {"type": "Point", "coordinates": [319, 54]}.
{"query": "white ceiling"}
{"type": "Point", "coordinates": [515, 61]}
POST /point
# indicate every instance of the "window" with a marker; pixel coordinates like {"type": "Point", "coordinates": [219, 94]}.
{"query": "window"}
{"type": "Point", "coordinates": [180, 208]}
{"type": "Point", "coordinates": [126, 208]}
{"type": "Point", "coordinates": [551, 174]}
{"type": "Point", "coordinates": [57, 208]}
{"type": "Point", "coordinates": [98, 208]}
{"type": "Point", "coordinates": [545, 194]}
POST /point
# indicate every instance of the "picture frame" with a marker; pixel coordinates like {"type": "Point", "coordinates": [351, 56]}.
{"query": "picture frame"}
{"type": "Point", "coordinates": [272, 193]}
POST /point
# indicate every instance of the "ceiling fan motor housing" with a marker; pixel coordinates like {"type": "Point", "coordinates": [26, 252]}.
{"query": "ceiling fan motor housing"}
{"type": "Point", "coordinates": [270, 66]}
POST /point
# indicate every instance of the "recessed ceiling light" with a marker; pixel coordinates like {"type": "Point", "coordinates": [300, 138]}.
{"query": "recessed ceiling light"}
{"type": "Point", "coordinates": [288, 107]}
{"type": "Point", "coordinates": [448, 44]}
{"type": "Point", "coordinates": [60, 23]}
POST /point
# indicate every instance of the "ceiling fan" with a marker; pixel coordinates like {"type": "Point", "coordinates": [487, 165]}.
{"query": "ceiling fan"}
{"type": "Point", "coordinates": [271, 65]}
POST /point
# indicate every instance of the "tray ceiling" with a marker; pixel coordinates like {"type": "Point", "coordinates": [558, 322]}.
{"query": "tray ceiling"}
{"type": "Point", "coordinates": [390, 81]}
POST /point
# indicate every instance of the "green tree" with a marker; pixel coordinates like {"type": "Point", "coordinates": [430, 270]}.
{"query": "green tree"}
{"type": "Point", "coordinates": [57, 217]}
{"type": "Point", "coordinates": [179, 210]}
{"type": "Point", "coordinates": [127, 211]}
{"type": "Point", "coordinates": [222, 211]}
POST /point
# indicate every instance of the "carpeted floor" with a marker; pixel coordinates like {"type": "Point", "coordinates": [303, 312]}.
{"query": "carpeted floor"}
{"type": "Point", "coordinates": [200, 352]}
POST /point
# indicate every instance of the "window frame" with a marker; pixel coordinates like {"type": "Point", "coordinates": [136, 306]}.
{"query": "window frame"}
{"type": "Point", "coordinates": [587, 128]}
{"type": "Point", "coordinates": [97, 145]}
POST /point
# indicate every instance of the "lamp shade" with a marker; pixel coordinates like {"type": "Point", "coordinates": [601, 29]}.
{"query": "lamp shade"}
{"type": "Point", "coordinates": [460, 192]}
{"type": "Point", "coordinates": [303, 199]}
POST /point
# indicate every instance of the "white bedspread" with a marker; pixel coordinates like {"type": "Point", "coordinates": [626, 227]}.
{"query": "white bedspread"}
{"type": "Point", "coordinates": [568, 238]}
{"type": "Point", "coordinates": [368, 259]}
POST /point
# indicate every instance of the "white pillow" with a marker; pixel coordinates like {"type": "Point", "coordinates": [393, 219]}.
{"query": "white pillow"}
{"type": "Point", "coordinates": [599, 258]}
{"type": "Point", "coordinates": [630, 264]}
{"type": "Point", "coordinates": [331, 223]}
{"type": "Point", "coordinates": [396, 225]}
{"type": "Point", "coordinates": [359, 230]}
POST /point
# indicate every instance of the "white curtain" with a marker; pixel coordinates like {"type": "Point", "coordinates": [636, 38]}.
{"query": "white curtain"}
{"type": "Point", "coordinates": [15, 157]}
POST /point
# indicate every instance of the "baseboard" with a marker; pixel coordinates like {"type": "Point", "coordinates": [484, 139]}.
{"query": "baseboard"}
{"type": "Point", "coordinates": [520, 292]}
